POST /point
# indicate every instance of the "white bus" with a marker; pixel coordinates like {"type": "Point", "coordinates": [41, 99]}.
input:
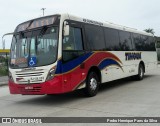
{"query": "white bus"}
{"type": "Point", "coordinates": [62, 53]}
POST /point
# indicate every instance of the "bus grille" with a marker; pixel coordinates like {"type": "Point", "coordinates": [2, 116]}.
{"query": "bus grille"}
{"type": "Point", "coordinates": [30, 74]}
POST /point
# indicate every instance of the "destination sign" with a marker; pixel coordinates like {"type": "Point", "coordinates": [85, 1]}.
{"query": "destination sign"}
{"type": "Point", "coordinates": [36, 23]}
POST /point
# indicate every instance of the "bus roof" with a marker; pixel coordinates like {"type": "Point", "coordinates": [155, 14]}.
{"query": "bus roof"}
{"type": "Point", "coordinates": [108, 24]}
{"type": "Point", "coordinates": [104, 24]}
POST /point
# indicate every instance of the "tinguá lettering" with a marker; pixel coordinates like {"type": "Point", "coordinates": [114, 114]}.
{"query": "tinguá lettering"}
{"type": "Point", "coordinates": [133, 55]}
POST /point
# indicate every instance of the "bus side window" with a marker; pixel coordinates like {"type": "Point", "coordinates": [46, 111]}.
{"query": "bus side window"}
{"type": "Point", "coordinates": [152, 44]}
{"type": "Point", "coordinates": [95, 37]}
{"type": "Point", "coordinates": [72, 44]}
{"type": "Point", "coordinates": [112, 39]}
{"type": "Point", "coordinates": [137, 42]}
{"type": "Point", "coordinates": [125, 41]}
{"type": "Point", "coordinates": [74, 40]}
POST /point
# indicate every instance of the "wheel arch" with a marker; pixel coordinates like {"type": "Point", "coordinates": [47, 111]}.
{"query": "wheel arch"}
{"type": "Point", "coordinates": [97, 70]}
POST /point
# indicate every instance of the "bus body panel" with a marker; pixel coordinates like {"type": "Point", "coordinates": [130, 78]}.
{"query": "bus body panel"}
{"type": "Point", "coordinates": [129, 67]}
{"type": "Point", "coordinates": [72, 75]}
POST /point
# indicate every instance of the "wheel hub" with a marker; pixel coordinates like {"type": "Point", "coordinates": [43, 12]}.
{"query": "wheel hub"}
{"type": "Point", "coordinates": [93, 83]}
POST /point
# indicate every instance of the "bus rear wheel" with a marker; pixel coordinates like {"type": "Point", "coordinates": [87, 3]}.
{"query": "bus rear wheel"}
{"type": "Point", "coordinates": [92, 84]}
{"type": "Point", "coordinates": [140, 74]}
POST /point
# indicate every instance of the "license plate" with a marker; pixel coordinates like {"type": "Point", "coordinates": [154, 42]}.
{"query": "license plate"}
{"type": "Point", "coordinates": [28, 88]}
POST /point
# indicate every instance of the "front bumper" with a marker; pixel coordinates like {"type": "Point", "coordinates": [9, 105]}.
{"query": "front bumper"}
{"type": "Point", "coordinates": [53, 86]}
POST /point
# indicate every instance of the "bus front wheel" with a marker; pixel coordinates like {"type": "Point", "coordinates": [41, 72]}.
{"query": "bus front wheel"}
{"type": "Point", "coordinates": [92, 84]}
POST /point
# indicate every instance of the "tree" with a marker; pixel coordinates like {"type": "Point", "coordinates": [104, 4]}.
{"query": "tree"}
{"type": "Point", "coordinates": [150, 30]}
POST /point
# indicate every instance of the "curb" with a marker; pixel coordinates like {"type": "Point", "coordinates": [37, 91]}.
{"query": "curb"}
{"type": "Point", "coordinates": [3, 83]}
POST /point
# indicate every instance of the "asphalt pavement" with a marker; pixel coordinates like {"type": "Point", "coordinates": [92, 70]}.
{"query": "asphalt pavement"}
{"type": "Point", "coordinates": [121, 98]}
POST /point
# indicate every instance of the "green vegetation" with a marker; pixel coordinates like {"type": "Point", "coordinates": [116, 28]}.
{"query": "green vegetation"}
{"type": "Point", "coordinates": [3, 71]}
{"type": "Point", "coordinates": [150, 30]}
{"type": "Point", "coordinates": [3, 66]}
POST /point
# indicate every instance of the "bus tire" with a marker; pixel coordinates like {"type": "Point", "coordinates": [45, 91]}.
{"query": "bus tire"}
{"type": "Point", "coordinates": [92, 84]}
{"type": "Point", "coordinates": [140, 74]}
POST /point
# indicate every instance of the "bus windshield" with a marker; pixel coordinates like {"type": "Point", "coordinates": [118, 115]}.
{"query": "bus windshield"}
{"type": "Point", "coordinates": [34, 48]}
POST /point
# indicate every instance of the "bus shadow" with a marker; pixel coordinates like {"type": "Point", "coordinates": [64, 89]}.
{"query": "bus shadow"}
{"type": "Point", "coordinates": [56, 99]}
{"type": "Point", "coordinates": [62, 99]}
{"type": "Point", "coordinates": [120, 82]}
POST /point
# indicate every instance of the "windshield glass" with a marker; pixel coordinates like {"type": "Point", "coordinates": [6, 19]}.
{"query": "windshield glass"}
{"type": "Point", "coordinates": [36, 48]}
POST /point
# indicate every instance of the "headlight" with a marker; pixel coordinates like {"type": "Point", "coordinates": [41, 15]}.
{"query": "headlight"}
{"type": "Point", "coordinates": [10, 76]}
{"type": "Point", "coordinates": [50, 74]}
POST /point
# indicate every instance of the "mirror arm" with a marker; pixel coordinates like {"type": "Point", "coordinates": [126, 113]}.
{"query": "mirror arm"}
{"type": "Point", "coordinates": [3, 42]}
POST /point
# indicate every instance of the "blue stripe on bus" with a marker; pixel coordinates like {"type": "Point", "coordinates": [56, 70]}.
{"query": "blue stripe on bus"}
{"type": "Point", "coordinates": [107, 62]}
{"type": "Point", "coordinates": [66, 67]}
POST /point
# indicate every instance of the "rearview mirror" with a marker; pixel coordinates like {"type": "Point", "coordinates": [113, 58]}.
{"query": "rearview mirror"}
{"type": "Point", "coordinates": [66, 29]}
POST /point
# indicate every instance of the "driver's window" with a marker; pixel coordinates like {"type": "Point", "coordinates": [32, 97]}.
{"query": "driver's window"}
{"type": "Point", "coordinates": [74, 40]}
{"type": "Point", "coordinates": [72, 44]}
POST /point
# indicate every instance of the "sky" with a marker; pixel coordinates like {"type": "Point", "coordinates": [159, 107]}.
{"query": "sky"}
{"type": "Point", "coordinates": [139, 14]}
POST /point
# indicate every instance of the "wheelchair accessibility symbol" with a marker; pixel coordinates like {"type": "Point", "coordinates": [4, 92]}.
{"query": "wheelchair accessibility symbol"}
{"type": "Point", "coordinates": [32, 61]}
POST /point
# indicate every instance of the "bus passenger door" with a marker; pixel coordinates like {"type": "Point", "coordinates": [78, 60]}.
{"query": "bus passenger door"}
{"type": "Point", "coordinates": [72, 57]}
